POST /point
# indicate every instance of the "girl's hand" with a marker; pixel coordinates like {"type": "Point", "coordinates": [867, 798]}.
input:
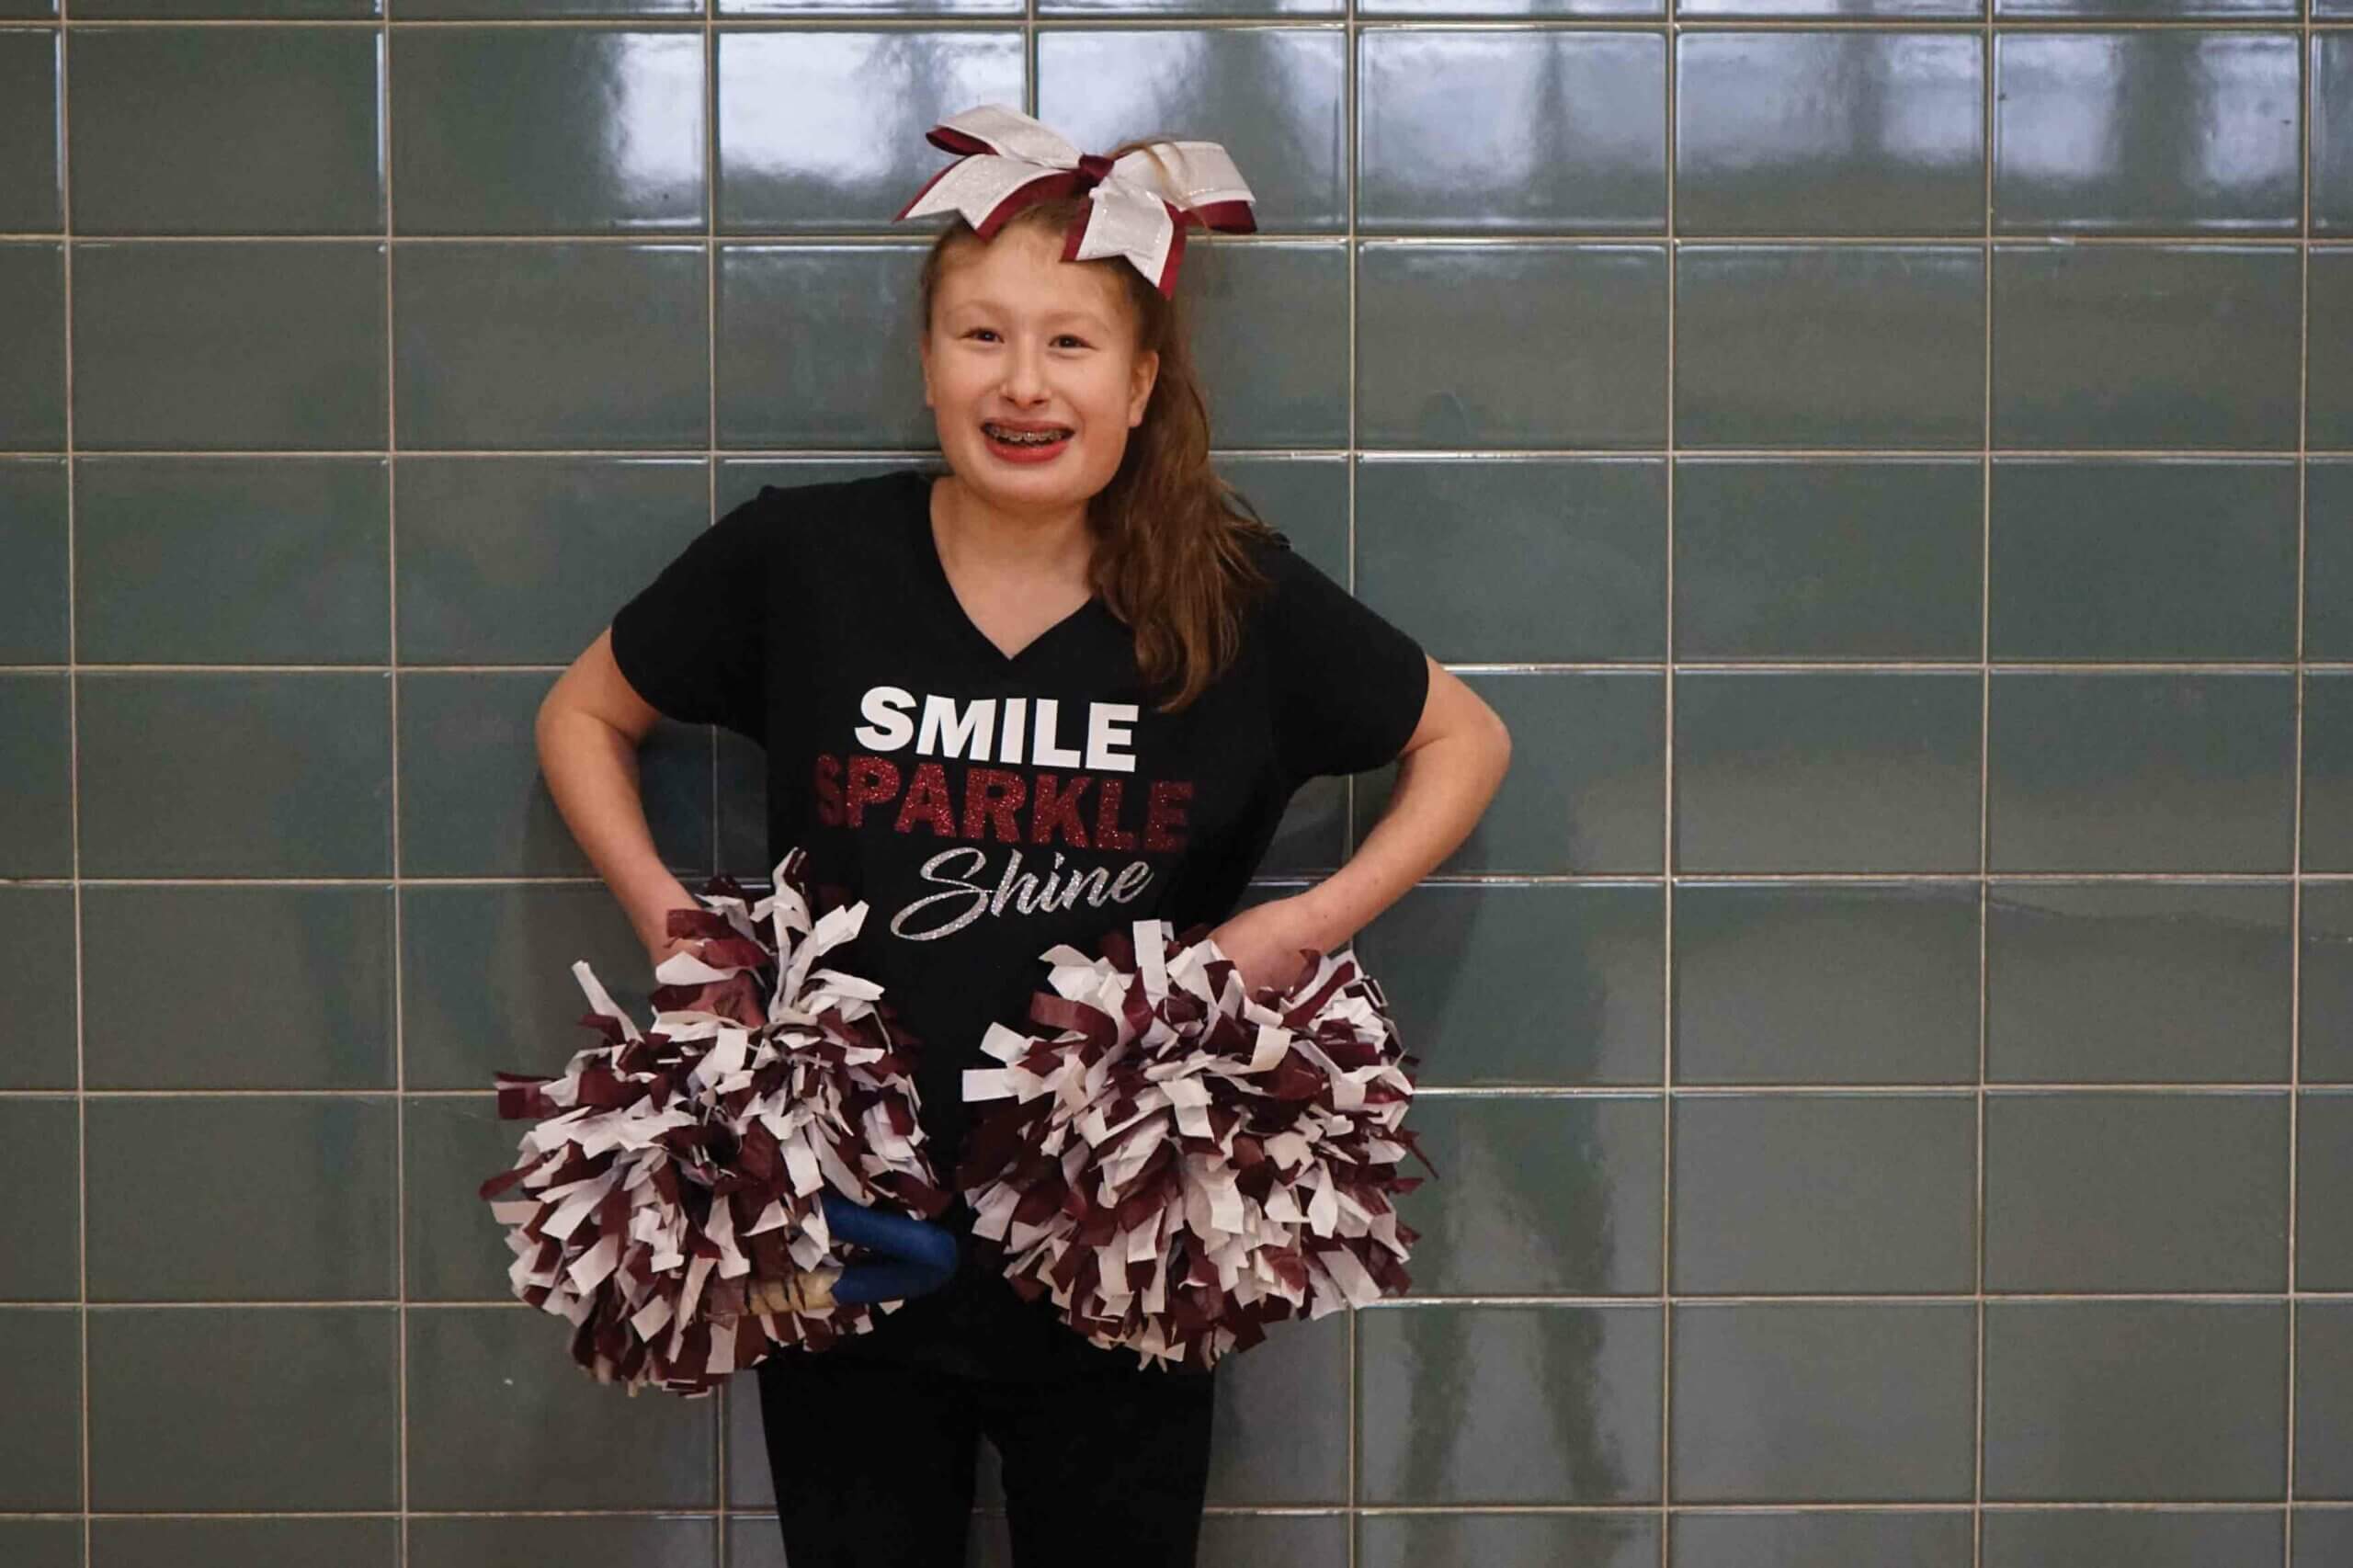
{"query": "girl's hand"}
{"type": "Point", "coordinates": [661, 947]}
{"type": "Point", "coordinates": [1264, 942]}
{"type": "Point", "coordinates": [654, 929]}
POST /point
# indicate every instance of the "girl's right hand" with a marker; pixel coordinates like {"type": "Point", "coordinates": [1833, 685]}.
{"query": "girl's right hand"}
{"type": "Point", "coordinates": [656, 952]}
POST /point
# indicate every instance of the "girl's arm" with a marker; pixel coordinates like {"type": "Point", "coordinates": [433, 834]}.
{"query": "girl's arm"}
{"type": "Point", "coordinates": [1450, 769]}
{"type": "Point", "coordinates": [589, 727]}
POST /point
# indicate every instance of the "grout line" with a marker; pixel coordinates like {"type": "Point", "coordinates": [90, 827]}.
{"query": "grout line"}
{"type": "Point", "coordinates": [1411, 1303]}
{"type": "Point", "coordinates": [1278, 239]}
{"type": "Point", "coordinates": [1232, 21]}
{"type": "Point", "coordinates": [63, 130]}
{"type": "Point", "coordinates": [1351, 86]}
{"type": "Point", "coordinates": [730, 1388]}
{"type": "Point", "coordinates": [1529, 666]}
{"type": "Point", "coordinates": [393, 579]}
{"type": "Point", "coordinates": [1891, 878]}
{"type": "Point", "coordinates": [2304, 107]}
{"type": "Point", "coordinates": [1930, 1090]}
{"type": "Point", "coordinates": [1885, 457]}
{"type": "Point", "coordinates": [1986, 145]}
{"type": "Point", "coordinates": [1690, 666]}
{"type": "Point", "coordinates": [1668, 858]}
{"type": "Point", "coordinates": [1274, 238]}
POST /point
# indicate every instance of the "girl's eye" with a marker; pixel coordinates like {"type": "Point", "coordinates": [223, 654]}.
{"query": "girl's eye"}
{"type": "Point", "coordinates": [1062, 337]}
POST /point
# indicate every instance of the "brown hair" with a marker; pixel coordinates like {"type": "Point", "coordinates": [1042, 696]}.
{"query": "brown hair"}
{"type": "Point", "coordinates": [1173, 540]}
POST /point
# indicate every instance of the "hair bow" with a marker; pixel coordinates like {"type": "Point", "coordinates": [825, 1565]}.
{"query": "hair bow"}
{"type": "Point", "coordinates": [1139, 209]}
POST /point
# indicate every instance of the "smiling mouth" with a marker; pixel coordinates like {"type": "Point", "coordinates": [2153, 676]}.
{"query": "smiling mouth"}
{"type": "Point", "coordinates": [1013, 437]}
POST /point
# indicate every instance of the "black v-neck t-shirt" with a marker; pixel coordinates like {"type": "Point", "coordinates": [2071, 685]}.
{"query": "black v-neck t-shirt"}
{"type": "Point", "coordinates": [988, 807]}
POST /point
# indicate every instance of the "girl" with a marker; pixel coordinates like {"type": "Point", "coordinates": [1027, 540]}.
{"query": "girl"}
{"type": "Point", "coordinates": [1054, 684]}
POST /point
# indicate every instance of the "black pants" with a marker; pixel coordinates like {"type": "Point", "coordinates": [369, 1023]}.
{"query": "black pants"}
{"type": "Point", "coordinates": [873, 1458]}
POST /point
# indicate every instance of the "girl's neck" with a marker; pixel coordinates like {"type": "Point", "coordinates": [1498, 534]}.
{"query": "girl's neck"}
{"type": "Point", "coordinates": [974, 536]}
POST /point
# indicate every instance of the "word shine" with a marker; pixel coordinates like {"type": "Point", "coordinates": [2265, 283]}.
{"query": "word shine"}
{"type": "Point", "coordinates": [963, 873]}
{"type": "Point", "coordinates": [1026, 730]}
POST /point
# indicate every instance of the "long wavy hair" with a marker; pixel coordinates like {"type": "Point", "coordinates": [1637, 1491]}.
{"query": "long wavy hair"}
{"type": "Point", "coordinates": [1173, 544]}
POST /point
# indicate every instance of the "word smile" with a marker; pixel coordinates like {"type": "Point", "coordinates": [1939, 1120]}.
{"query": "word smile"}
{"type": "Point", "coordinates": [1026, 730]}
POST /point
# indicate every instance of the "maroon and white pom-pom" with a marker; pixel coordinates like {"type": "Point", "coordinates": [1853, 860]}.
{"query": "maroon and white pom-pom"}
{"type": "Point", "coordinates": [1180, 1163]}
{"type": "Point", "coordinates": [673, 1179]}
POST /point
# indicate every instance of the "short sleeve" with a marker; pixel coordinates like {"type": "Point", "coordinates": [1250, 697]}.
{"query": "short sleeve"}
{"type": "Point", "coordinates": [1348, 685]}
{"type": "Point", "coordinates": [693, 640]}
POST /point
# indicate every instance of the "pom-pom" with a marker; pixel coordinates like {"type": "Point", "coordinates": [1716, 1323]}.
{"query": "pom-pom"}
{"type": "Point", "coordinates": [1180, 1163]}
{"type": "Point", "coordinates": [671, 1199]}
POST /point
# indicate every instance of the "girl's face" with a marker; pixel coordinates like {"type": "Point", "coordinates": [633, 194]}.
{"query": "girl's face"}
{"type": "Point", "coordinates": [1021, 338]}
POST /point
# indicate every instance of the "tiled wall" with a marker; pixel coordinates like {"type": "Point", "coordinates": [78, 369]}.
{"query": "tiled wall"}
{"type": "Point", "coordinates": [1889, 1047]}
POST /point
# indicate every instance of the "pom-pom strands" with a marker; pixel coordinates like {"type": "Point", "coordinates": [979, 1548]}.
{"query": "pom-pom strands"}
{"type": "Point", "coordinates": [1182, 1164]}
{"type": "Point", "coordinates": [671, 1192]}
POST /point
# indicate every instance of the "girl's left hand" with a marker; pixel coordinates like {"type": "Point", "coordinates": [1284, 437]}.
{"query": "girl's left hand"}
{"type": "Point", "coordinates": [1263, 941]}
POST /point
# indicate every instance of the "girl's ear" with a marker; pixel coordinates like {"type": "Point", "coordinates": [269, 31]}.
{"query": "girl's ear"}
{"type": "Point", "coordinates": [1141, 382]}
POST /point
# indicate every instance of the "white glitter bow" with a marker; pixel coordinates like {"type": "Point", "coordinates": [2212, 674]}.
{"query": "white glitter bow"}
{"type": "Point", "coordinates": [1141, 201]}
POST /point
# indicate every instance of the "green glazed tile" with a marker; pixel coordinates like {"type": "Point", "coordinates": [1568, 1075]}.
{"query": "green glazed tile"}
{"type": "Point", "coordinates": [2146, 1538]}
{"type": "Point", "coordinates": [1508, 1404]}
{"type": "Point", "coordinates": [324, 1021]}
{"type": "Point", "coordinates": [1479, 1541]}
{"type": "Point", "coordinates": [237, 346]}
{"type": "Point", "coordinates": [1794, 558]}
{"type": "Point", "coordinates": [2115, 771]}
{"type": "Point", "coordinates": [2325, 1190]}
{"type": "Point", "coordinates": [1765, 141]}
{"type": "Point", "coordinates": [1555, 1196]}
{"type": "Point", "coordinates": [788, 101]}
{"type": "Point", "coordinates": [2134, 559]}
{"type": "Point", "coordinates": [1913, 1538]}
{"type": "Point", "coordinates": [2168, 101]}
{"type": "Point", "coordinates": [1585, 791]}
{"type": "Point", "coordinates": [32, 348]}
{"type": "Point", "coordinates": [36, 808]}
{"type": "Point", "coordinates": [541, 345]}
{"type": "Point", "coordinates": [40, 1161]}
{"type": "Point", "coordinates": [2145, 345]}
{"type": "Point", "coordinates": [185, 130]}
{"type": "Point", "coordinates": [1524, 983]}
{"type": "Point", "coordinates": [284, 775]}
{"type": "Point", "coordinates": [1275, 98]}
{"type": "Point", "coordinates": [1537, 345]}
{"type": "Point", "coordinates": [584, 1542]}
{"type": "Point", "coordinates": [36, 953]}
{"type": "Point", "coordinates": [273, 1198]}
{"type": "Point", "coordinates": [524, 559]}
{"type": "Point", "coordinates": [1824, 1194]}
{"type": "Point", "coordinates": [547, 131]}
{"type": "Point", "coordinates": [1591, 160]}
{"type": "Point", "coordinates": [1829, 346]}
{"type": "Point", "coordinates": [2093, 1191]}
{"type": "Point", "coordinates": [30, 68]}
{"type": "Point", "coordinates": [1517, 559]}
{"type": "Point", "coordinates": [2137, 983]}
{"type": "Point", "coordinates": [498, 1373]}
{"type": "Point", "coordinates": [474, 801]}
{"type": "Point", "coordinates": [232, 561]}
{"type": "Point", "coordinates": [2156, 1401]}
{"type": "Point", "coordinates": [1825, 772]}
{"type": "Point", "coordinates": [1849, 983]}
{"type": "Point", "coordinates": [469, 953]}
{"type": "Point", "coordinates": [40, 1448]}
{"type": "Point", "coordinates": [244, 1543]}
{"type": "Point", "coordinates": [33, 600]}
{"type": "Point", "coordinates": [181, 1433]}
{"type": "Point", "coordinates": [1849, 1402]}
